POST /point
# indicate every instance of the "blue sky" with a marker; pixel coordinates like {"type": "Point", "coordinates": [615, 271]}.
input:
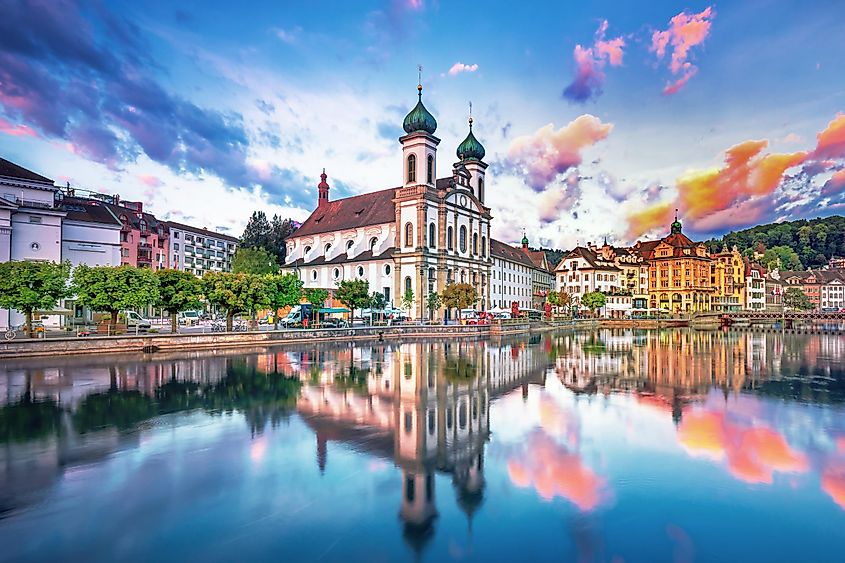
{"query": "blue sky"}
{"type": "Point", "coordinates": [209, 110]}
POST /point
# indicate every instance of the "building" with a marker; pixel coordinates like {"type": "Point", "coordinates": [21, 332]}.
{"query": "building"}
{"type": "Point", "coordinates": [836, 263]}
{"type": "Point", "coordinates": [808, 282]}
{"type": "Point", "coordinates": [774, 291]}
{"type": "Point", "coordinates": [679, 272]}
{"type": "Point", "coordinates": [512, 276]}
{"type": "Point", "coordinates": [542, 275]}
{"type": "Point", "coordinates": [832, 294]}
{"type": "Point", "coordinates": [199, 250]}
{"type": "Point", "coordinates": [30, 222]}
{"type": "Point", "coordinates": [755, 287]}
{"type": "Point", "coordinates": [143, 238]}
{"type": "Point", "coordinates": [727, 277]}
{"type": "Point", "coordinates": [418, 237]}
{"type": "Point", "coordinates": [583, 270]}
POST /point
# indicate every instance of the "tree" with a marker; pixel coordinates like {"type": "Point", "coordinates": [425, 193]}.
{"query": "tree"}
{"type": "Point", "coordinates": [177, 291]}
{"type": "Point", "coordinates": [280, 230]}
{"type": "Point", "coordinates": [459, 296]}
{"type": "Point", "coordinates": [408, 300]}
{"type": "Point", "coordinates": [354, 293]}
{"type": "Point", "coordinates": [593, 300]}
{"type": "Point", "coordinates": [553, 298]}
{"type": "Point", "coordinates": [30, 286]}
{"type": "Point", "coordinates": [257, 231]}
{"type": "Point", "coordinates": [433, 302]}
{"type": "Point", "coordinates": [781, 257]}
{"type": "Point", "coordinates": [565, 300]}
{"type": "Point", "coordinates": [283, 290]}
{"type": "Point", "coordinates": [112, 289]}
{"type": "Point", "coordinates": [235, 293]}
{"type": "Point", "coordinates": [794, 298]}
{"type": "Point", "coordinates": [378, 303]}
{"type": "Point", "coordinates": [254, 261]}
{"type": "Point", "coordinates": [316, 297]}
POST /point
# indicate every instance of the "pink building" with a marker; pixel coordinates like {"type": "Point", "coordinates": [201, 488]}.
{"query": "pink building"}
{"type": "Point", "coordinates": [143, 238]}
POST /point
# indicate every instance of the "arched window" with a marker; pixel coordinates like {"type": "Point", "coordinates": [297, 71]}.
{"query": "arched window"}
{"type": "Point", "coordinates": [462, 239]}
{"type": "Point", "coordinates": [349, 245]}
{"type": "Point", "coordinates": [409, 234]}
{"type": "Point", "coordinates": [481, 189]}
{"type": "Point", "coordinates": [463, 276]}
{"type": "Point", "coordinates": [407, 284]}
{"type": "Point", "coordinates": [373, 242]}
{"type": "Point", "coordinates": [475, 243]}
{"type": "Point", "coordinates": [432, 236]}
{"type": "Point", "coordinates": [412, 168]}
{"type": "Point", "coordinates": [360, 271]}
{"type": "Point", "coordinates": [307, 250]}
{"type": "Point", "coordinates": [450, 239]}
{"type": "Point", "coordinates": [429, 174]}
{"type": "Point", "coordinates": [484, 247]}
{"type": "Point", "coordinates": [327, 248]}
{"type": "Point", "coordinates": [336, 273]}
{"type": "Point", "coordinates": [314, 275]}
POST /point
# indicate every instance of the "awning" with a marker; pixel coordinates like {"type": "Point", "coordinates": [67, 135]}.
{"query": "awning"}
{"type": "Point", "coordinates": [334, 310]}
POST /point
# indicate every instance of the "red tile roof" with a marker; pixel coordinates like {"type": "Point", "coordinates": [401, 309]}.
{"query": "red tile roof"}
{"type": "Point", "coordinates": [499, 249]}
{"type": "Point", "coordinates": [374, 208]}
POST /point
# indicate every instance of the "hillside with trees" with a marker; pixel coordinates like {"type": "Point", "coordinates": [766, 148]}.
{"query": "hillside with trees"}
{"type": "Point", "coordinates": [799, 244]}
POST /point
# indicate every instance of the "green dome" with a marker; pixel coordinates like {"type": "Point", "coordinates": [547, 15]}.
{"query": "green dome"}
{"type": "Point", "coordinates": [524, 239]}
{"type": "Point", "coordinates": [676, 225]}
{"type": "Point", "coordinates": [470, 148]}
{"type": "Point", "coordinates": [419, 119]}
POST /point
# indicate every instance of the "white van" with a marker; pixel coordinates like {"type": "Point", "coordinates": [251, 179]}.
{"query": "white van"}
{"type": "Point", "coordinates": [189, 318]}
{"type": "Point", "coordinates": [134, 320]}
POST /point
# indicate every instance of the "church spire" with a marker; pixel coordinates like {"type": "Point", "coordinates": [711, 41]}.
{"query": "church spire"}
{"type": "Point", "coordinates": [676, 225]}
{"type": "Point", "coordinates": [323, 190]}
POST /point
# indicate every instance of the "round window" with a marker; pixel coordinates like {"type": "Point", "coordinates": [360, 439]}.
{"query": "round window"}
{"type": "Point", "coordinates": [35, 246]}
{"type": "Point", "coordinates": [336, 273]}
{"type": "Point", "coordinates": [387, 269]}
{"type": "Point", "coordinates": [360, 271]}
{"type": "Point", "coordinates": [314, 275]}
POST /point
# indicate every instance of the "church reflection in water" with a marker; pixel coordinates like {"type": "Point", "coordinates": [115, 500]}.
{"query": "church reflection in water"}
{"type": "Point", "coordinates": [426, 406]}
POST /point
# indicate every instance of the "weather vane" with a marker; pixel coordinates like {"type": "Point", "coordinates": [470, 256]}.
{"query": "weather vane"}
{"type": "Point", "coordinates": [419, 74]}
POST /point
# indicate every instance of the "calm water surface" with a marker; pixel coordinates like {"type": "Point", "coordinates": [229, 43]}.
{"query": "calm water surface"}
{"type": "Point", "coordinates": [589, 446]}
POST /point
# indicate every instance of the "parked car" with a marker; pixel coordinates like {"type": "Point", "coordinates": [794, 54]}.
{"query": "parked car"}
{"type": "Point", "coordinates": [189, 318]}
{"type": "Point", "coordinates": [332, 322]}
{"type": "Point", "coordinates": [136, 321]}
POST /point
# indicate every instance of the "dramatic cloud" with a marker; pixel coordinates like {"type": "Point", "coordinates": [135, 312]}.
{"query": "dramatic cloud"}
{"type": "Point", "coordinates": [831, 141]}
{"type": "Point", "coordinates": [590, 63]}
{"type": "Point", "coordinates": [735, 194]}
{"type": "Point", "coordinates": [85, 78]}
{"type": "Point", "coordinates": [557, 200]}
{"type": "Point", "coordinates": [685, 31]}
{"type": "Point", "coordinates": [458, 68]}
{"type": "Point", "coordinates": [547, 153]}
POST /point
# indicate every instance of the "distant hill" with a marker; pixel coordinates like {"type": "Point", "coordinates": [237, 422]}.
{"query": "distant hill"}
{"type": "Point", "coordinates": [814, 240]}
{"type": "Point", "coordinates": [553, 255]}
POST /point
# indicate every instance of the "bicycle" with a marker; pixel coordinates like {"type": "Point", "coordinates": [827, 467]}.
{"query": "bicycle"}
{"type": "Point", "coordinates": [12, 332]}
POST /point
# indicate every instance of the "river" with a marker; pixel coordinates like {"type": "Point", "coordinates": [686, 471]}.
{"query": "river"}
{"type": "Point", "coordinates": [607, 445]}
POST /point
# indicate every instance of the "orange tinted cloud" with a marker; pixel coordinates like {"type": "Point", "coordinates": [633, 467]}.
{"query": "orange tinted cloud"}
{"type": "Point", "coordinates": [833, 483]}
{"type": "Point", "coordinates": [830, 143]}
{"type": "Point", "coordinates": [546, 153]}
{"type": "Point", "coordinates": [590, 63]}
{"type": "Point", "coordinates": [685, 31]}
{"type": "Point", "coordinates": [753, 454]}
{"type": "Point", "coordinates": [553, 471]}
{"type": "Point", "coordinates": [647, 219]}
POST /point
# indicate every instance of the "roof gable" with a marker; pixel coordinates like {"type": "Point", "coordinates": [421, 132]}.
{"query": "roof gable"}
{"type": "Point", "coordinates": [373, 208]}
{"type": "Point", "coordinates": [9, 169]}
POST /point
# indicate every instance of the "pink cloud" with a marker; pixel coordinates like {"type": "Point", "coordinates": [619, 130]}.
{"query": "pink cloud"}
{"type": "Point", "coordinates": [16, 130]}
{"type": "Point", "coordinates": [546, 153]}
{"type": "Point", "coordinates": [458, 68]}
{"type": "Point", "coordinates": [685, 31]}
{"type": "Point", "coordinates": [150, 180]}
{"type": "Point", "coordinates": [590, 63]}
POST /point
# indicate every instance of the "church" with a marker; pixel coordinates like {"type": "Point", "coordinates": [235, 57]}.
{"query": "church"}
{"type": "Point", "coordinates": [421, 236]}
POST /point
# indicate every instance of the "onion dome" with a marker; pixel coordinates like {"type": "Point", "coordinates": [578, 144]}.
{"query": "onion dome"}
{"type": "Point", "coordinates": [524, 240]}
{"type": "Point", "coordinates": [470, 148]}
{"type": "Point", "coordinates": [676, 225]}
{"type": "Point", "coordinates": [419, 119]}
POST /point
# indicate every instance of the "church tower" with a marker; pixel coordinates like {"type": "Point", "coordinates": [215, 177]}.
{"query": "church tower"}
{"type": "Point", "coordinates": [471, 154]}
{"type": "Point", "coordinates": [419, 146]}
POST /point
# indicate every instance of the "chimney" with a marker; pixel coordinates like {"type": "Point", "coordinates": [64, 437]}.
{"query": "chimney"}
{"type": "Point", "coordinates": [322, 190]}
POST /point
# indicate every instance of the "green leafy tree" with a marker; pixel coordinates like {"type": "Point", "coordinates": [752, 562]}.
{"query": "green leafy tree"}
{"type": "Point", "coordinates": [794, 298]}
{"type": "Point", "coordinates": [235, 293]}
{"type": "Point", "coordinates": [354, 293]}
{"type": "Point", "coordinates": [782, 257]}
{"type": "Point", "coordinates": [280, 230]}
{"type": "Point", "coordinates": [110, 289]}
{"type": "Point", "coordinates": [254, 260]}
{"type": "Point", "coordinates": [32, 286]}
{"type": "Point", "coordinates": [316, 297]}
{"type": "Point", "coordinates": [378, 303]}
{"type": "Point", "coordinates": [459, 296]}
{"type": "Point", "coordinates": [433, 302]}
{"type": "Point", "coordinates": [177, 291]}
{"type": "Point", "coordinates": [408, 300]}
{"type": "Point", "coordinates": [593, 300]}
{"type": "Point", "coordinates": [553, 298]}
{"type": "Point", "coordinates": [283, 290]}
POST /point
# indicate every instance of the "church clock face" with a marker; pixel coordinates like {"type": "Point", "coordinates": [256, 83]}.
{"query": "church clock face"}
{"type": "Point", "coordinates": [463, 201]}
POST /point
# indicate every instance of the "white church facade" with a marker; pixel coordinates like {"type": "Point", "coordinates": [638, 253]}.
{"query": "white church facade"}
{"type": "Point", "coordinates": [422, 235]}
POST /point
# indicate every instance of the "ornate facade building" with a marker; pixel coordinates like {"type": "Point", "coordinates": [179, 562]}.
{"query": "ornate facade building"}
{"type": "Point", "coordinates": [727, 276]}
{"type": "Point", "coordinates": [421, 236]}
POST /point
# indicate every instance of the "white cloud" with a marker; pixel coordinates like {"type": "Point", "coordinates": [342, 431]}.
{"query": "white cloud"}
{"type": "Point", "coordinates": [458, 68]}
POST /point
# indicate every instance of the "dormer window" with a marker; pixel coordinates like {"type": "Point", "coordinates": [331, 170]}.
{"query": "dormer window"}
{"type": "Point", "coordinates": [327, 248]}
{"type": "Point", "coordinates": [349, 245]}
{"type": "Point", "coordinates": [307, 250]}
{"type": "Point", "coordinates": [373, 243]}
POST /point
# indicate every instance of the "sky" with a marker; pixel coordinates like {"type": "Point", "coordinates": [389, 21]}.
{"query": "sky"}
{"type": "Point", "coordinates": [599, 119]}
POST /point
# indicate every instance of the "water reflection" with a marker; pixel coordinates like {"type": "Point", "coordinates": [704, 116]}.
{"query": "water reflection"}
{"type": "Point", "coordinates": [593, 425]}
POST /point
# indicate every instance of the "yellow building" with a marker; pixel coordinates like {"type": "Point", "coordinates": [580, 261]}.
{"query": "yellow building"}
{"type": "Point", "coordinates": [727, 276]}
{"type": "Point", "coordinates": [679, 272]}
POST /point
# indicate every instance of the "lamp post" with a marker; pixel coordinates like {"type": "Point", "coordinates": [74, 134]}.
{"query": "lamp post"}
{"type": "Point", "coordinates": [422, 292]}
